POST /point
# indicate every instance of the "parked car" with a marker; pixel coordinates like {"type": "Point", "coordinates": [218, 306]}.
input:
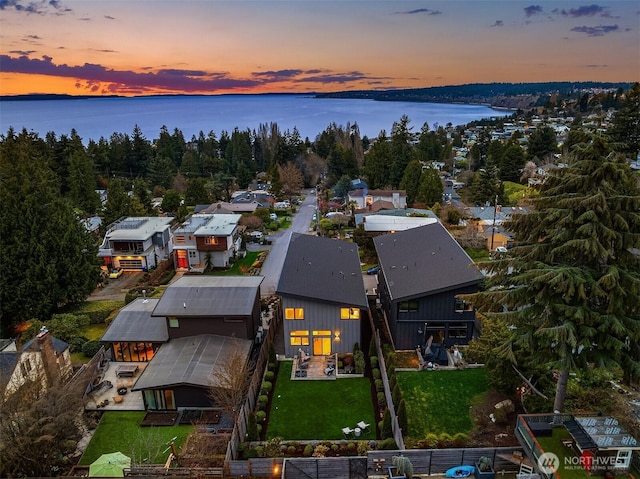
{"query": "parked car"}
{"type": "Point", "coordinates": [373, 270]}
{"type": "Point", "coordinates": [501, 249]}
{"type": "Point", "coordinates": [256, 235]}
{"type": "Point", "coordinates": [273, 217]}
{"type": "Point", "coordinates": [116, 273]}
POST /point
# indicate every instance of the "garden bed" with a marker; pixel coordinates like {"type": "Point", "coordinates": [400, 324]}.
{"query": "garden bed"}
{"type": "Point", "coordinates": [159, 418]}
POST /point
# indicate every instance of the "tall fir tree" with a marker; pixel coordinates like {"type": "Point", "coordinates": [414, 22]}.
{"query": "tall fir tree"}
{"type": "Point", "coordinates": [570, 288]}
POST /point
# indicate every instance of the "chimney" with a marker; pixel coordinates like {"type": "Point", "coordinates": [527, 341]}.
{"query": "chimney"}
{"type": "Point", "coordinates": [48, 356]}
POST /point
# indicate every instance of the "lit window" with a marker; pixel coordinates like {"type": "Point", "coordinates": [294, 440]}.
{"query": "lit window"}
{"type": "Point", "coordinates": [210, 240]}
{"type": "Point", "coordinates": [322, 333]}
{"type": "Point", "coordinates": [294, 313]}
{"type": "Point", "coordinates": [174, 323]}
{"type": "Point", "coordinates": [299, 338]}
{"type": "Point", "coordinates": [179, 239]}
{"type": "Point", "coordinates": [349, 313]}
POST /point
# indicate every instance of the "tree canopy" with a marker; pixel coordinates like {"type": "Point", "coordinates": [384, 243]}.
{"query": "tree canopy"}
{"type": "Point", "coordinates": [569, 289]}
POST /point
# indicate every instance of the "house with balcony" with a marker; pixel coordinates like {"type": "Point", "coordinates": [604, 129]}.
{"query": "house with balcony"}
{"type": "Point", "coordinates": [363, 197]}
{"type": "Point", "coordinates": [206, 240]}
{"type": "Point", "coordinates": [137, 243]}
{"type": "Point", "coordinates": [322, 295]}
{"type": "Point", "coordinates": [422, 271]}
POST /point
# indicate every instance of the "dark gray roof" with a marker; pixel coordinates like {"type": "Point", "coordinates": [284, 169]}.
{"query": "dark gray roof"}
{"type": "Point", "coordinates": [210, 296]}
{"type": "Point", "coordinates": [424, 260]}
{"type": "Point", "coordinates": [323, 269]}
{"type": "Point", "coordinates": [59, 346]}
{"type": "Point", "coordinates": [8, 362]}
{"type": "Point", "coordinates": [190, 361]}
{"type": "Point", "coordinates": [135, 323]}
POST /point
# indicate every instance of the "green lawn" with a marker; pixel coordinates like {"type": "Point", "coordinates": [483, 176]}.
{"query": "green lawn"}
{"type": "Point", "coordinates": [120, 431]}
{"type": "Point", "coordinates": [235, 270]}
{"type": "Point", "coordinates": [318, 409]}
{"type": "Point", "coordinates": [428, 393]}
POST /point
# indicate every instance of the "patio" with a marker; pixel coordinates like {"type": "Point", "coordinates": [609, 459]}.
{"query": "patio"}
{"type": "Point", "coordinates": [118, 396]}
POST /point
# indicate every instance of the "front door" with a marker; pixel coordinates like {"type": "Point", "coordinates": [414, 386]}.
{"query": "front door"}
{"type": "Point", "coordinates": [322, 346]}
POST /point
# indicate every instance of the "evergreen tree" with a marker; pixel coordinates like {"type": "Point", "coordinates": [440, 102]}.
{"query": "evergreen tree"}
{"type": "Point", "coordinates": [401, 150]}
{"type": "Point", "coordinates": [387, 430]}
{"type": "Point", "coordinates": [411, 181]}
{"type": "Point", "coordinates": [512, 163]}
{"type": "Point", "coordinates": [542, 144]}
{"type": "Point", "coordinates": [403, 421]}
{"type": "Point", "coordinates": [376, 163]}
{"type": "Point", "coordinates": [486, 186]}
{"type": "Point", "coordinates": [626, 123]}
{"type": "Point", "coordinates": [431, 187]}
{"type": "Point", "coordinates": [82, 183]}
{"type": "Point", "coordinates": [570, 288]}
{"type": "Point", "coordinates": [161, 172]}
{"type": "Point", "coordinates": [141, 192]}
{"type": "Point", "coordinates": [196, 193]}
{"type": "Point", "coordinates": [49, 257]}
{"type": "Point", "coordinates": [118, 203]}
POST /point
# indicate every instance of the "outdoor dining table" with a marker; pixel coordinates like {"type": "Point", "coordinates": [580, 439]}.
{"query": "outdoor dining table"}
{"type": "Point", "coordinates": [126, 370]}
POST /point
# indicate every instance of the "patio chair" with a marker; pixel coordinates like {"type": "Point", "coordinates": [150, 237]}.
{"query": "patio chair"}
{"type": "Point", "coordinates": [348, 432]}
{"type": "Point", "coordinates": [363, 426]}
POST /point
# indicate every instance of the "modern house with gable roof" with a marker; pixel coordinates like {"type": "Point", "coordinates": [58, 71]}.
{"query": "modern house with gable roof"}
{"type": "Point", "coordinates": [323, 296]}
{"type": "Point", "coordinates": [223, 305]}
{"type": "Point", "coordinates": [422, 270]}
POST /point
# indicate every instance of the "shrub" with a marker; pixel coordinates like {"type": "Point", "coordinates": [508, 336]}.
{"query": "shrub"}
{"type": "Point", "coordinates": [335, 447]}
{"type": "Point", "coordinates": [90, 348]}
{"type": "Point", "coordinates": [396, 395]}
{"type": "Point", "coordinates": [382, 399]}
{"type": "Point", "coordinates": [379, 385]}
{"type": "Point", "coordinates": [252, 427]}
{"type": "Point", "coordinates": [260, 451]}
{"type": "Point", "coordinates": [376, 373]}
{"type": "Point", "coordinates": [260, 416]}
{"type": "Point", "coordinates": [402, 416]}
{"type": "Point", "coordinates": [267, 386]}
{"type": "Point", "coordinates": [269, 375]}
{"type": "Point", "coordinates": [374, 362]}
{"type": "Point", "coordinates": [320, 450]}
{"type": "Point", "coordinates": [76, 343]}
{"type": "Point", "coordinates": [98, 311]}
{"type": "Point", "coordinates": [460, 440]}
{"type": "Point", "coordinates": [363, 448]}
{"type": "Point", "coordinates": [291, 450]}
{"type": "Point", "coordinates": [263, 399]}
{"type": "Point", "coordinates": [271, 366]}
{"type": "Point", "coordinates": [358, 357]}
{"type": "Point", "coordinates": [388, 444]}
{"type": "Point", "coordinates": [444, 440]}
{"type": "Point", "coordinates": [431, 440]}
{"type": "Point", "coordinates": [386, 430]}
{"type": "Point", "coordinates": [272, 447]}
{"type": "Point", "coordinates": [308, 450]}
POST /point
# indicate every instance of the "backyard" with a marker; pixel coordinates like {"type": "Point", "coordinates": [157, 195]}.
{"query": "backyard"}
{"type": "Point", "coordinates": [121, 431]}
{"type": "Point", "coordinates": [428, 393]}
{"type": "Point", "coordinates": [302, 410]}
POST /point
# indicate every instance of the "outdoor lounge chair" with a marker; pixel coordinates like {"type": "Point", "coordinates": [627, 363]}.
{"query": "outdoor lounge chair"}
{"type": "Point", "coordinates": [363, 426]}
{"type": "Point", "coordinates": [348, 432]}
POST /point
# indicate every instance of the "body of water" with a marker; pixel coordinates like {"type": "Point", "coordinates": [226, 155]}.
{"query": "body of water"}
{"type": "Point", "coordinates": [101, 117]}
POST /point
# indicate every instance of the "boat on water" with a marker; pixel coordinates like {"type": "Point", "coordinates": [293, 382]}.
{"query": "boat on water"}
{"type": "Point", "coordinates": [460, 471]}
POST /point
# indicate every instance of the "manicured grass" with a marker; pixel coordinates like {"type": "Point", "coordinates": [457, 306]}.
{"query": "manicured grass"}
{"type": "Point", "coordinates": [236, 269]}
{"type": "Point", "coordinates": [440, 401]}
{"type": "Point", "coordinates": [94, 331]}
{"type": "Point", "coordinates": [120, 431]}
{"type": "Point", "coordinates": [318, 409]}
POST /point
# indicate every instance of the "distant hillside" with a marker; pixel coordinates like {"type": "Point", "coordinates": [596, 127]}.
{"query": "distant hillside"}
{"type": "Point", "coordinates": [51, 96]}
{"type": "Point", "coordinates": [505, 95]}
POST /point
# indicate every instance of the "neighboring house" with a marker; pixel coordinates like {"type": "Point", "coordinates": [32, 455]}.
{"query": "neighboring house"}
{"type": "Point", "coordinates": [222, 305]}
{"type": "Point", "coordinates": [137, 243]}
{"type": "Point", "coordinates": [363, 198]}
{"type": "Point", "coordinates": [185, 335]}
{"type": "Point", "coordinates": [422, 270]}
{"type": "Point", "coordinates": [226, 208]}
{"type": "Point", "coordinates": [489, 221]}
{"type": "Point", "coordinates": [598, 443]}
{"type": "Point", "coordinates": [183, 371]}
{"type": "Point", "coordinates": [135, 335]}
{"type": "Point", "coordinates": [44, 358]}
{"type": "Point", "coordinates": [206, 240]}
{"type": "Point", "coordinates": [262, 198]}
{"type": "Point", "coordinates": [323, 296]}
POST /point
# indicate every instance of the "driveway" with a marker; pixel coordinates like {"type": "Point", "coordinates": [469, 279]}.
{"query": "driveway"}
{"type": "Point", "coordinates": [116, 289]}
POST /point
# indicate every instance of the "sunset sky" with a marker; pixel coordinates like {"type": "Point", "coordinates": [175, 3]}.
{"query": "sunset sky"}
{"type": "Point", "coordinates": [138, 47]}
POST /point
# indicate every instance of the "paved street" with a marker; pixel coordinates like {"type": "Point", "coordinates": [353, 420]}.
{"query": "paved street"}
{"type": "Point", "coordinates": [272, 266]}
